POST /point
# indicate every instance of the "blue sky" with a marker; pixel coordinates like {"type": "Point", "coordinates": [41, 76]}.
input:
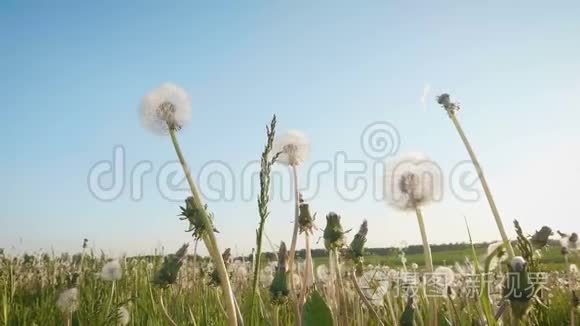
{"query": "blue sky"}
{"type": "Point", "coordinates": [73, 73]}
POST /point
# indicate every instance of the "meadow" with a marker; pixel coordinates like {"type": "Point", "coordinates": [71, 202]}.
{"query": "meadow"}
{"type": "Point", "coordinates": [531, 279]}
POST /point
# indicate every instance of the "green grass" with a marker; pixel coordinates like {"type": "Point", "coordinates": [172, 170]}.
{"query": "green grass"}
{"type": "Point", "coordinates": [30, 287]}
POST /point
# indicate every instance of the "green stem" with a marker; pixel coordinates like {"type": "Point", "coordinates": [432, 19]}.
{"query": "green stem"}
{"type": "Point", "coordinates": [366, 301]}
{"type": "Point", "coordinates": [484, 184]}
{"type": "Point", "coordinates": [257, 263]}
{"type": "Point", "coordinates": [111, 298]}
{"type": "Point", "coordinates": [426, 247]}
{"type": "Point", "coordinates": [342, 305]}
{"type": "Point", "coordinates": [428, 262]}
{"type": "Point", "coordinates": [308, 278]}
{"type": "Point", "coordinates": [292, 253]}
{"type": "Point", "coordinates": [165, 312]}
{"type": "Point", "coordinates": [210, 239]}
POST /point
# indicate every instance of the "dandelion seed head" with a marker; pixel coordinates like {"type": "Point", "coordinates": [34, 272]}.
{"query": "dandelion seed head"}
{"type": "Point", "coordinates": [111, 271]}
{"type": "Point", "coordinates": [68, 301]}
{"type": "Point", "coordinates": [573, 269]}
{"type": "Point", "coordinates": [446, 275]}
{"type": "Point", "coordinates": [166, 107]}
{"type": "Point", "coordinates": [411, 181]}
{"type": "Point", "coordinates": [293, 146]}
{"type": "Point", "coordinates": [518, 264]}
{"type": "Point", "coordinates": [123, 316]}
{"type": "Point", "coordinates": [323, 273]}
{"type": "Point", "coordinates": [414, 266]}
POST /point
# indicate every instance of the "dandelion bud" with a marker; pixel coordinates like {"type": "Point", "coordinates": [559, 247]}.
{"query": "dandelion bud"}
{"type": "Point", "coordinates": [540, 238]}
{"type": "Point", "coordinates": [167, 274]}
{"type": "Point", "coordinates": [574, 238]}
{"type": "Point", "coordinates": [193, 212]}
{"type": "Point", "coordinates": [518, 288]}
{"type": "Point", "coordinates": [305, 219]}
{"type": "Point", "coordinates": [333, 232]}
{"type": "Point", "coordinates": [358, 243]}
{"type": "Point", "coordinates": [445, 101]}
{"type": "Point", "coordinates": [279, 289]}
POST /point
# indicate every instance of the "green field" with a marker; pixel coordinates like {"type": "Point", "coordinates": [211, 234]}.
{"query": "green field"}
{"type": "Point", "coordinates": [552, 259]}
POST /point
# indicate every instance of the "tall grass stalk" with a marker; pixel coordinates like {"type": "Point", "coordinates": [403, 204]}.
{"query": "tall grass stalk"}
{"type": "Point", "coordinates": [451, 109]}
{"type": "Point", "coordinates": [209, 236]}
{"type": "Point", "coordinates": [263, 200]}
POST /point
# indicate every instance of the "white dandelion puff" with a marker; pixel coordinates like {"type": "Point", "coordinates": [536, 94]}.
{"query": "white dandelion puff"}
{"type": "Point", "coordinates": [414, 266]}
{"type": "Point", "coordinates": [518, 264]}
{"type": "Point", "coordinates": [297, 281]}
{"type": "Point", "coordinates": [569, 242]}
{"type": "Point", "coordinates": [123, 316]}
{"type": "Point", "coordinates": [68, 301]}
{"type": "Point", "coordinates": [323, 273]}
{"type": "Point", "coordinates": [293, 147]}
{"type": "Point", "coordinates": [111, 271]}
{"type": "Point", "coordinates": [445, 275]}
{"type": "Point", "coordinates": [493, 247]}
{"type": "Point", "coordinates": [573, 269]}
{"type": "Point", "coordinates": [165, 107]}
{"type": "Point", "coordinates": [411, 181]}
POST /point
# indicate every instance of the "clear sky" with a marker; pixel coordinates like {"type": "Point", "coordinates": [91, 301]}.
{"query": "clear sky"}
{"type": "Point", "coordinates": [72, 74]}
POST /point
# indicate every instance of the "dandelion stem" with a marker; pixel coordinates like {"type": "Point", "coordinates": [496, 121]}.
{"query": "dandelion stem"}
{"type": "Point", "coordinates": [484, 184]}
{"type": "Point", "coordinates": [165, 310]}
{"type": "Point", "coordinates": [428, 259]}
{"type": "Point", "coordinates": [342, 305]}
{"type": "Point", "coordinates": [426, 247]}
{"type": "Point", "coordinates": [112, 296]}
{"type": "Point", "coordinates": [292, 252]}
{"type": "Point", "coordinates": [209, 239]}
{"type": "Point", "coordinates": [308, 278]}
{"type": "Point", "coordinates": [366, 301]}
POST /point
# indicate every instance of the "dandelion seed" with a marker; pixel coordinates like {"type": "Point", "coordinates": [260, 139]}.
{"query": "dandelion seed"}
{"type": "Point", "coordinates": [411, 181]}
{"type": "Point", "coordinates": [111, 271]}
{"type": "Point", "coordinates": [166, 107]}
{"type": "Point", "coordinates": [68, 301]}
{"type": "Point", "coordinates": [293, 147]}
